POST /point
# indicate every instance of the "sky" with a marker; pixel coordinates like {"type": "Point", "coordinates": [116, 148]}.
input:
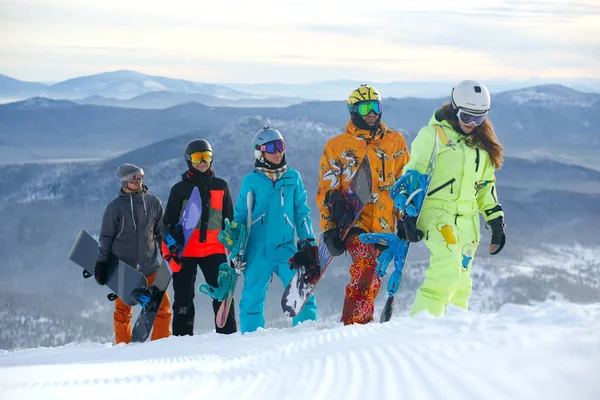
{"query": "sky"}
{"type": "Point", "coordinates": [548, 351]}
{"type": "Point", "coordinates": [262, 41]}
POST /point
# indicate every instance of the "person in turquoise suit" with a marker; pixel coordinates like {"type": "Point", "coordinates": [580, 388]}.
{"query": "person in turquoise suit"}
{"type": "Point", "coordinates": [279, 213]}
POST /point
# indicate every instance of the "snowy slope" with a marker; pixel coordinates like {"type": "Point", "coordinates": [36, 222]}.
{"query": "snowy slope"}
{"type": "Point", "coordinates": [551, 351]}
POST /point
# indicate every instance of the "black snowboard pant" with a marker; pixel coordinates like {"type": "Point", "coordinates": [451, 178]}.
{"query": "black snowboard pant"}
{"type": "Point", "coordinates": [184, 288]}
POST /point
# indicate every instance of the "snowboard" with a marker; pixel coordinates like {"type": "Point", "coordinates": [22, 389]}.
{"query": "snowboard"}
{"type": "Point", "coordinates": [151, 298]}
{"type": "Point", "coordinates": [358, 194]}
{"type": "Point", "coordinates": [399, 249]}
{"type": "Point", "coordinates": [121, 278]}
{"type": "Point", "coordinates": [223, 312]}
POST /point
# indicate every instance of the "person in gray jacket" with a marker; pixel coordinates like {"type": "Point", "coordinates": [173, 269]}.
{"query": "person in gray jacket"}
{"type": "Point", "coordinates": [131, 231]}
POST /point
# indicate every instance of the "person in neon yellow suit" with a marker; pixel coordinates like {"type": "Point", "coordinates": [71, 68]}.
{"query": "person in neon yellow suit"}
{"type": "Point", "coordinates": [462, 186]}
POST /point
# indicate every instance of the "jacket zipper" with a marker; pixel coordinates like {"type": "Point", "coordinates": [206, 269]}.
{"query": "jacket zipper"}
{"type": "Point", "coordinates": [383, 166]}
{"type": "Point", "coordinates": [437, 189]}
{"type": "Point", "coordinates": [282, 196]}
{"type": "Point", "coordinates": [476, 159]}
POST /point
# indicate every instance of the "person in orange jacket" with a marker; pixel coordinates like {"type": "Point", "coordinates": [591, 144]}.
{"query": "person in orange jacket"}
{"type": "Point", "coordinates": [365, 136]}
{"type": "Point", "coordinates": [203, 248]}
{"type": "Point", "coordinates": [131, 230]}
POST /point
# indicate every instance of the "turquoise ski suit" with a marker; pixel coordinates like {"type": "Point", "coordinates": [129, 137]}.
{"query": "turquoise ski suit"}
{"type": "Point", "coordinates": [279, 211]}
{"type": "Point", "coordinates": [462, 186]}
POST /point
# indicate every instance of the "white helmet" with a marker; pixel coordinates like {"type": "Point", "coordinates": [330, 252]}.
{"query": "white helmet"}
{"type": "Point", "coordinates": [264, 136]}
{"type": "Point", "coordinates": [472, 97]}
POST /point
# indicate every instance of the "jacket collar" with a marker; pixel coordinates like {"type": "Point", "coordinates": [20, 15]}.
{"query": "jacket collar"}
{"type": "Point", "coordinates": [364, 134]}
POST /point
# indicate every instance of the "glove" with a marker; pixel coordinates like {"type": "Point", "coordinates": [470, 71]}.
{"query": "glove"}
{"type": "Point", "coordinates": [100, 271]}
{"type": "Point", "coordinates": [175, 239]}
{"type": "Point", "coordinates": [401, 232]}
{"type": "Point", "coordinates": [498, 235]}
{"type": "Point", "coordinates": [238, 264]}
{"type": "Point", "coordinates": [409, 224]}
{"type": "Point", "coordinates": [306, 256]}
{"type": "Point", "coordinates": [341, 211]}
{"type": "Point", "coordinates": [333, 241]}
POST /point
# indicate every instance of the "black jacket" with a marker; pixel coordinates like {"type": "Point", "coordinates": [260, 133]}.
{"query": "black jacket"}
{"type": "Point", "coordinates": [205, 182]}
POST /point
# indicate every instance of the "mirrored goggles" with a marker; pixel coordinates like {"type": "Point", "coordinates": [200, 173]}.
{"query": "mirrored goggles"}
{"type": "Point", "coordinates": [201, 156]}
{"type": "Point", "coordinates": [276, 146]}
{"type": "Point", "coordinates": [470, 119]}
{"type": "Point", "coordinates": [133, 178]}
{"type": "Point", "coordinates": [365, 107]}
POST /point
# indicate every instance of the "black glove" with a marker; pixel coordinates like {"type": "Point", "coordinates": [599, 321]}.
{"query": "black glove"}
{"type": "Point", "coordinates": [498, 235]}
{"type": "Point", "coordinates": [409, 224]}
{"type": "Point", "coordinates": [307, 255]}
{"type": "Point", "coordinates": [401, 232]}
{"type": "Point", "coordinates": [100, 271]}
{"type": "Point", "coordinates": [334, 242]}
{"type": "Point", "coordinates": [341, 211]}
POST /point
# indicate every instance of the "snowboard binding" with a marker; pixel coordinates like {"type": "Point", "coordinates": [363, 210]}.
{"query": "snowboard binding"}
{"type": "Point", "coordinates": [149, 298]}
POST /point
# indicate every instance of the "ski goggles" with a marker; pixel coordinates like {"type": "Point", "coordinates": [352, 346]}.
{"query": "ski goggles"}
{"type": "Point", "coordinates": [276, 146]}
{"type": "Point", "coordinates": [134, 177]}
{"type": "Point", "coordinates": [201, 156]}
{"type": "Point", "coordinates": [471, 119]}
{"type": "Point", "coordinates": [365, 107]}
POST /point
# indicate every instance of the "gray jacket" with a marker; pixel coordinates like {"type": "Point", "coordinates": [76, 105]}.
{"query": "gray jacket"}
{"type": "Point", "coordinates": [131, 230]}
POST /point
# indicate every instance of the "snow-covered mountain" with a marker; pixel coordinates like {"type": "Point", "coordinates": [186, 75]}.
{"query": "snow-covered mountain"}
{"type": "Point", "coordinates": [127, 84]}
{"type": "Point", "coordinates": [123, 84]}
{"type": "Point", "coordinates": [164, 99]}
{"type": "Point", "coordinates": [548, 352]}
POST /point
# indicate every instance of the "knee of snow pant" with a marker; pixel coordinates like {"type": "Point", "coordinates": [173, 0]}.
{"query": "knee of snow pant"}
{"type": "Point", "coordinates": [183, 303]}
{"type": "Point", "coordinates": [122, 322]}
{"type": "Point", "coordinates": [162, 322]}
{"type": "Point", "coordinates": [310, 311]}
{"type": "Point", "coordinates": [468, 243]}
{"type": "Point", "coordinates": [359, 300]}
{"type": "Point", "coordinates": [256, 281]}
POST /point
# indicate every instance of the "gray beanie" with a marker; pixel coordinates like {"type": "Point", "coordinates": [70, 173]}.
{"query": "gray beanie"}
{"type": "Point", "coordinates": [127, 169]}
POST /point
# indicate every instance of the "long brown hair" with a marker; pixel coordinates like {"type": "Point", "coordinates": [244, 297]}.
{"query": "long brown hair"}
{"type": "Point", "coordinates": [482, 136]}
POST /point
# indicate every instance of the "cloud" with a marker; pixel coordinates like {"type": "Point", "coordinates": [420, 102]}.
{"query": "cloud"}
{"type": "Point", "coordinates": [255, 41]}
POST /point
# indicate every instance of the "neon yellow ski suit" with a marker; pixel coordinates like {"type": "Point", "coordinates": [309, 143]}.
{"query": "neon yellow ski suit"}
{"type": "Point", "coordinates": [463, 184]}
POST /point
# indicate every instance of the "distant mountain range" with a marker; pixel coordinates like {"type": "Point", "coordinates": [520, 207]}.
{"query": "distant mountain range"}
{"type": "Point", "coordinates": [123, 89]}
{"type": "Point", "coordinates": [122, 84]}
{"type": "Point", "coordinates": [551, 121]}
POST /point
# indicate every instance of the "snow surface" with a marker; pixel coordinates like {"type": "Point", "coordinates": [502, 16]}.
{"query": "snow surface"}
{"type": "Point", "coordinates": [550, 351]}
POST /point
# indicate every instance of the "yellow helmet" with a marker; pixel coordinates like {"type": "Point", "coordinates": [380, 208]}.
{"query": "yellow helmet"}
{"type": "Point", "coordinates": [363, 93]}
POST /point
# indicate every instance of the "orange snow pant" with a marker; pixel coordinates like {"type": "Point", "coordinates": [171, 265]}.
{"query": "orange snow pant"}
{"type": "Point", "coordinates": [123, 314]}
{"type": "Point", "coordinates": [359, 301]}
